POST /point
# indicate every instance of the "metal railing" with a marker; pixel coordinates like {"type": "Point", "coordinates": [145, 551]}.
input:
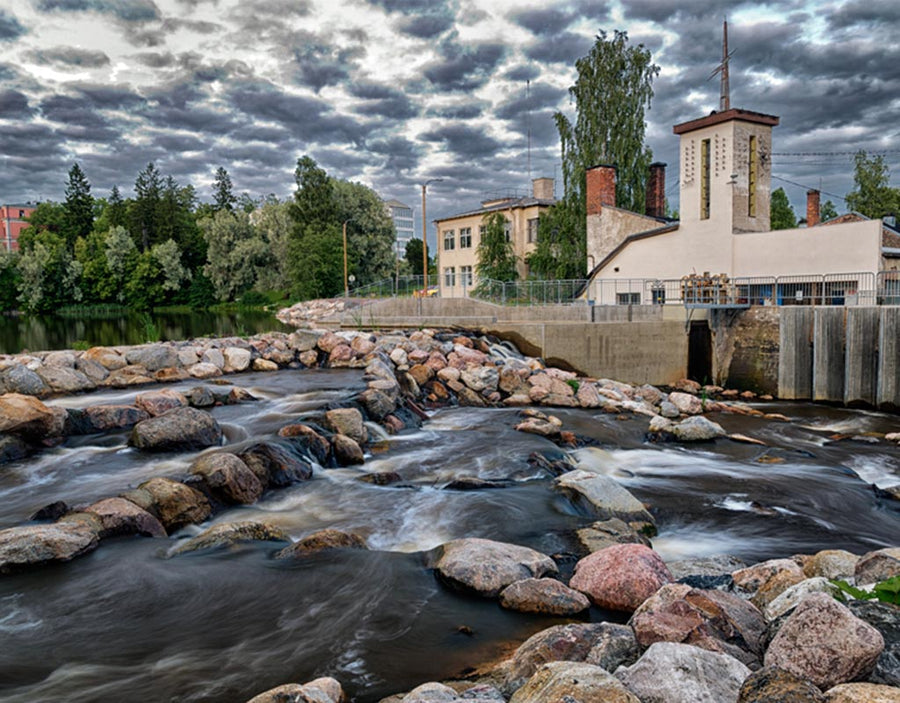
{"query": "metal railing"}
{"type": "Point", "coordinates": [561, 292]}
{"type": "Point", "coordinates": [399, 287]}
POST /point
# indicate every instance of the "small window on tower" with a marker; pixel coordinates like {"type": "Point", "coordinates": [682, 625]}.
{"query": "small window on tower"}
{"type": "Point", "coordinates": [704, 179]}
{"type": "Point", "coordinates": [751, 181]}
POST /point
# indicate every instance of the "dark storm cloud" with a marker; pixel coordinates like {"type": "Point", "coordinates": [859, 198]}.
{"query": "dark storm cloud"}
{"type": "Point", "coordinates": [125, 10]}
{"type": "Point", "coordinates": [877, 12]}
{"type": "Point", "coordinates": [663, 11]}
{"type": "Point", "coordinates": [540, 95]}
{"type": "Point", "coordinates": [69, 56]}
{"type": "Point", "coordinates": [564, 48]}
{"type": "Point", "coordinates": [543, 21]}
{"type": "Point", "coordinates": [14, 104]}
{"type": "Point", "coordinates": [409, 5]}
{"type": "Point", "coordinates": [10, 27]}
{"type": "Point", "coordinates": [523, 73]}
{"type": "Point", "coordinates": [306, 118]}
{"type": "Point", "coordinates": [320, 64]}
{"type": "Point", "coordinates": [384, 101]}
{"type": "Point", "coordinates": [171, 24]}
{"type": "Point", "coordinates": [262, 133]}
{"type": "Point", "coordinates": [109, 97]}
{"type": "Point", "coordinates": [156, 60]}
{"type": "Point", "coordinates": [464, 111]}
{"type": "Point", "coordinates": [464, 67]}
{"type": "Point", "coordinates": [29, 140]}
{"type": "Point", "coordinates": [181, 142]}
{"type": "Point", "coordinates": [261, 154]}
{"type": "Point", "coordinates": [464, 141]}
{"type": "Point", "coordinates": [72, 111]}
{"type": "Point", "coordinates": [425, 26]}
{"type": "Point", "coordinates": [400, 154]}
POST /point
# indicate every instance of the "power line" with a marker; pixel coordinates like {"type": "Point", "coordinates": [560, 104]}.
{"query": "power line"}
{"type": "Point", "coordinates": [800, 185]}
{"type": "Point", "coordinates": [834, 153]}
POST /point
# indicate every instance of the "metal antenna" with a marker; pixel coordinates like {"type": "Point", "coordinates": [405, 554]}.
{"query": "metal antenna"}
{"type": "Point", "coordinates": [722, 69]}
{"type": "Point", "coordinates": [528, 122]}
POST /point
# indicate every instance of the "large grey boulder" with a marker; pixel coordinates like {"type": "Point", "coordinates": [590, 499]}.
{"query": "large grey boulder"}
{"type": "Point", "coordinates": [573, 681]}
{"type": "Point", "coordinates": [347, 421]}
{"type": "Point", "coordinates": [34, 545]}
{"type": "Point", "coordinates": [877, 566]}
{"type": "Point", "coordinates": [178, 429]}
{"type": "Point", "coordinates": [276, 465]}
{"type": "Point", "coordinates": [323, 690]}
{"type": "Point", "coordinates": [29, 418]}
{"type": "Point", "coordinates": [173, 503]}
{"type": "Point", "coordinates": [321, 541]}
{"type": "Point", "coordinates": [886, 619]}
{"type": "Point", "coordinates": [21, 379]}
{"type": "Point", "coordinates": [697, 429]}
{"type": "Point", "coordinates": [228, 479]}
{"type": "Point", "coordinates": [681, 673]}
{"type": "Point", "coordinates": [63, 379]}
{"type": "Point", "coordinates": [152, 357]}
{"type": "Point", "coordinates": [543, 596]}
{"type": "Point", "coordinates": [103, 418]}
{"type": "Point", "coordinates": [486, 567]}
{"type": "Point", "coordinates": [122, 517]}
{"type": "Point", "coordinates": [601, 496]}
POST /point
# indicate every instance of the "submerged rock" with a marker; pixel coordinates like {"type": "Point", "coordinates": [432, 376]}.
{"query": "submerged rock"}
{"type": "Point", "coordinates": [228, 534]}
{"type": "Point", "coordinates": [320, 541]}
{"type": "Point", "coordinates": [486, 567]}
{"type": "Point", "coordinates": [276, 465]}
{"type": "Point", "coordinates": [601, 496]}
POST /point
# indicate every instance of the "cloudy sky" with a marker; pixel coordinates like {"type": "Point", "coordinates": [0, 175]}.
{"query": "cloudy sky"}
{"type": "Point", "coordinates": [392, 92]}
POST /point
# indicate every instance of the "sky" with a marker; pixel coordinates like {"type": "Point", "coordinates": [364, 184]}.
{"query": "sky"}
{"type": "Point", "coordinates": [391, 93]}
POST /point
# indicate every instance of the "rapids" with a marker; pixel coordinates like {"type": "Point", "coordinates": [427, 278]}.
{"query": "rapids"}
{"type": "Point", "coordinates": [126, 623]}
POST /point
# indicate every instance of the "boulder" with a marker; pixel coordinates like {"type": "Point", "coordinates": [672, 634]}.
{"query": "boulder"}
{"type": "Point", "coordinates": [201, 397]}
{"type": "Point", "coordinates": [172, 503]}
{"type": "Point", "coordinates": [620, 577]}
{"type": "Point", "coordinates": [276, 465]}
{"type": "Point", "coordinates": [103, 418]}
{"type": "Point", "coordinates": [308, 439]}
{"type": "Point", "coordinates": [346, 450]}
{"type": "Point", "coordinates": [110, 359]}
{"type": "Point", "coordinates": [204, 369]}
{"type": "Point", "coordinates": [539, 426]}
{"type": "Point", "coordinates": [862, 693]}
{"type": "Point", "coordinates": [429, 692]}
{"type": "Point", "coordinates": [606, 533]}
{"type": "Point", "coordinates": [323, 690]}
{"type": "Point", "coordinates": [775, 586]}
{"type": "Point", "coordinates": [886, 619]}
{"type": "Point", "coordinates": [228, 479]}
{"type": "Point", "coordinates": [486, 567]}
{"type": "Point", "coordinates": [824, 642]}
{"type": "Point", "coordinates": [236, 359]}
{"type": "Point", "coordinates": [750, 579]}
{"type": "Point", "coordinates": [158, 402]}
{"type": "Point", "coordinates": [544, 596]}
{"type": "Point", "coordinates": [62, 358]}
{"type": "Point", "coordinates": [376, 403]}
{"type": "Point", "coordinates": [697, 429]}
{"type": "Point", "coordinates": [573, 681]}
{"type": "Point", "coordinates": [128, 376]}
{"type": "Point", "coordinates": [713, 620]}
{"type": "Point", "coordinates": [716, 565]}
{"type": "Point", "coordinates": [34, 545]}
{"type": "Point", "coordinates": [152, 357]}
{"type": "Point", "coordinates": [21, 379]}
{"type": "Point", "coordinates": [347, 421]}
{"type": "Point", "coordinates": [573, 642]}
{"type": "Point", "coordinates": [601, 496]}
{"type": "Point", "coordinates": [831, 564]}
{"type": "Point", "coordinates": [63, 379]}
{"type": "Point", "coordinates": [27, 417]}
{"type": "Point", "coordinates": [122, 517]}
{"type": "Point", "coordinates": [12, 449]}
{"type": "Point", "coordinates": [686, 403]}
{"type": "Point", "coordinates": [94, 371]}
{"type": "Point", "coordinates": [228, 534]}
{"type": "Point", "coordinates": [877, 566]}
{"type": "Point", "coordinates": [178, 429]}
{"type": "Point", "coordinates": [774, 685]}
{"type": "Point", "coordinates": [320, 541]}
{"type": "Point", "coordinates": [792, 597]}
{"type": "Point", "coordinates": [681, 673]}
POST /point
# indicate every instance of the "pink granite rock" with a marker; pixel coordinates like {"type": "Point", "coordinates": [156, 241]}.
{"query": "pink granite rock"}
{"type": "Point", "coordinates": [620, 577]}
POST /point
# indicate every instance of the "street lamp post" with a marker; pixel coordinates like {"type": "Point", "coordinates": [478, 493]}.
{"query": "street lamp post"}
{"type": "Point", "coordinates": [425, 237]}
{"type": "Point", "coordinates": [346, 286]}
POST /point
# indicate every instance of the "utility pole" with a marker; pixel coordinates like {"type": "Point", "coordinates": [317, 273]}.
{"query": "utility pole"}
{"type": "Point", "coordinates": [425, 236]}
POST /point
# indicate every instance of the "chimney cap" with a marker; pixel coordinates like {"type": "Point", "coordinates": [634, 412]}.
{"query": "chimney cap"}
{"type": "Point", "coordinates": [612, 166]}
{"type": "Point", "coordinates": [658, 164]}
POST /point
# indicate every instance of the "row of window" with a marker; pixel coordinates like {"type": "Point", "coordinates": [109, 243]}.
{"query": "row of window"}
{"type": "Point", "coordinates": [465, 235]}
{"type": "Point", "coordinates": [752, 177]}
{"type": "Point", "coordinates": [465, 276]}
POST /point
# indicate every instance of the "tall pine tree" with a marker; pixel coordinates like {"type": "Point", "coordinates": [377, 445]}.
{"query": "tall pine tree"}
{"type": "Point", "coordinates": [223, 191]}
{"type": "Point", "coordinates": [79, 207]}
{"type": "Point", "coordinates": [145, 207]}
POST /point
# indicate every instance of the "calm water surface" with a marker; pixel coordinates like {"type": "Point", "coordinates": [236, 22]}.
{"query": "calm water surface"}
{"type": "Point", "coordinates": [49, 332]}
{"type": "Point", "coordinates": [128, 623]}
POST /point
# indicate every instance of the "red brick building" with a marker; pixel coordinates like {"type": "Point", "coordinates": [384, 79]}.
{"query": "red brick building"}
{"type": "Point", "coordinates": [12, 222]}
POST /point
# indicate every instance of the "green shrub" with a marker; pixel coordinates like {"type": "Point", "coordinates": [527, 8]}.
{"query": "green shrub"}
{"type": "Point", "coordinates": [887, 591]}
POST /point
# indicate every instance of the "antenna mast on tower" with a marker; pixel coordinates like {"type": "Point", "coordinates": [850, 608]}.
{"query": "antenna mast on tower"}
{"type": "Point", "coordinates": [722, 69]}
{"type": "Point", "coordinates": [528, 117]}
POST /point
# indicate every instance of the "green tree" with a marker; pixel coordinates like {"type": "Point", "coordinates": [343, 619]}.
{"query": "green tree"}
{"type": "Point", "coordinates": [370, 232]}
{"type": "Point", "coordinates": [413, 256]}
{"type": "Point", "coordinates": [871, 195]}
{"type": "Point", "coordinates": [117, 209]}
{"type": "Point", "coordinates": [47, 217]}
{"type": "Point", "coordinates": [827, 211]}
{"type": "Point", "coordinates": [316, 260]}
{"type": "Point", "coordinates": [557, 255]}
{"type": "Point", "coordinates": [612, 90]}
{"type": "Point", "coordinates": [495, 257]}
{"type": "Point", "coordinates": [223, 191]}
{"type": "Point", "coordinates": [234, 253]}
{"type": "Point", "coordinates": [78, 206]}
{"type": "Point", "coordinates": [273, 225]}
{"type": "Point", "coordinates": [90, 253]}
{"type": "Point", "coordinates": [121, 260]}
{"type": "Point", "coordinates": [49, 274]}
{"type": "Point", "coordinates": [10, 280]}
{"type": "Point", "coordinates": [781, 214]}
{"type": "Point", "coordinates": [145, 206]}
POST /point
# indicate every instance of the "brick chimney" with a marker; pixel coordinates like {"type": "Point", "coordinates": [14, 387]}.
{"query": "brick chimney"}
{"type": "Point", "coordinates": [542, 188]}
{"type": "Point", "coordinates": [600, 182]}
{"type": "Point", "coordinates": [656, 190]}
{"type": "Point", "coordinates": [812, 208]}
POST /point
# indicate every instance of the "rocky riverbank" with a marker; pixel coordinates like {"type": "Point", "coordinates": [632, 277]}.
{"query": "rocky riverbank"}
{"type": "Point", "coordinates": [707, 630]}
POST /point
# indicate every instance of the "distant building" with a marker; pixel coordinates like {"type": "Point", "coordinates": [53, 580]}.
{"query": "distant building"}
{"type": "Point", "coordinates": [12, 222]}
{"type": "Point", "coordinates": [460, 235]}
{"type": "Point", "coordinates": [402, 217]}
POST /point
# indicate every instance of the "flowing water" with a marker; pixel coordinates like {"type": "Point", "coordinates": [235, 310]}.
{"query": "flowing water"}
{"type": "Point", "coordinates": [128, 623]}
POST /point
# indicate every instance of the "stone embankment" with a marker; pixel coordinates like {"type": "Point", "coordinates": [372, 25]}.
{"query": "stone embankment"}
{"type": "Point", "coordinates": [706, 630]}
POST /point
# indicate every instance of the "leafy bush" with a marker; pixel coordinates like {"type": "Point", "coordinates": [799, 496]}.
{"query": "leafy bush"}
{"type": "Point", "coordinates": [887, 591]}
{"type": "Point", "coordinates": [253, 298]}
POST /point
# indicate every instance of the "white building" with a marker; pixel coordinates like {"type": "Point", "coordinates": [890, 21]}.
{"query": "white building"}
{"type": "Point", "coordinates": [402, 217]}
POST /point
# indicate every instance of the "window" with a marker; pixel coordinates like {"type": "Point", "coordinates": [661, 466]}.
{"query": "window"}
{"type": "Point", "coordinates": [465, 276]}
{"type": "Point", "coordinates": [21, 214]}
{"type": "Point", "coordinates": [507, 230]}
{"type": "Point", "coordinates": [704, 179]}
{"type": "Point", "coordinates": [450, 276]}
{"type": "Point", "coordinates": [465, 237]}
{"type": "Point", "coordinates": [751, 181]}
{"type": "Point", "coordinates": [449, 240]}
{"type": "Point", "coordinates": [532, 230]}
{"type": "Point", "coordinates": [481, 233]}
{"type": "Point", "coordinates": [628, 298]}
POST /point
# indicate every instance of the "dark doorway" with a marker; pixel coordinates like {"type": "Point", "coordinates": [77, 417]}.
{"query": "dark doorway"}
{"type": "Point", "coordinates": [700, 352]}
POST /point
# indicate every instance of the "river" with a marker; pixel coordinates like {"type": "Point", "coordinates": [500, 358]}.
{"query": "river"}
{"type": "Point", "coordinates": [127, 623]}
{"type": "Point", "coordinates": [114, 328]}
